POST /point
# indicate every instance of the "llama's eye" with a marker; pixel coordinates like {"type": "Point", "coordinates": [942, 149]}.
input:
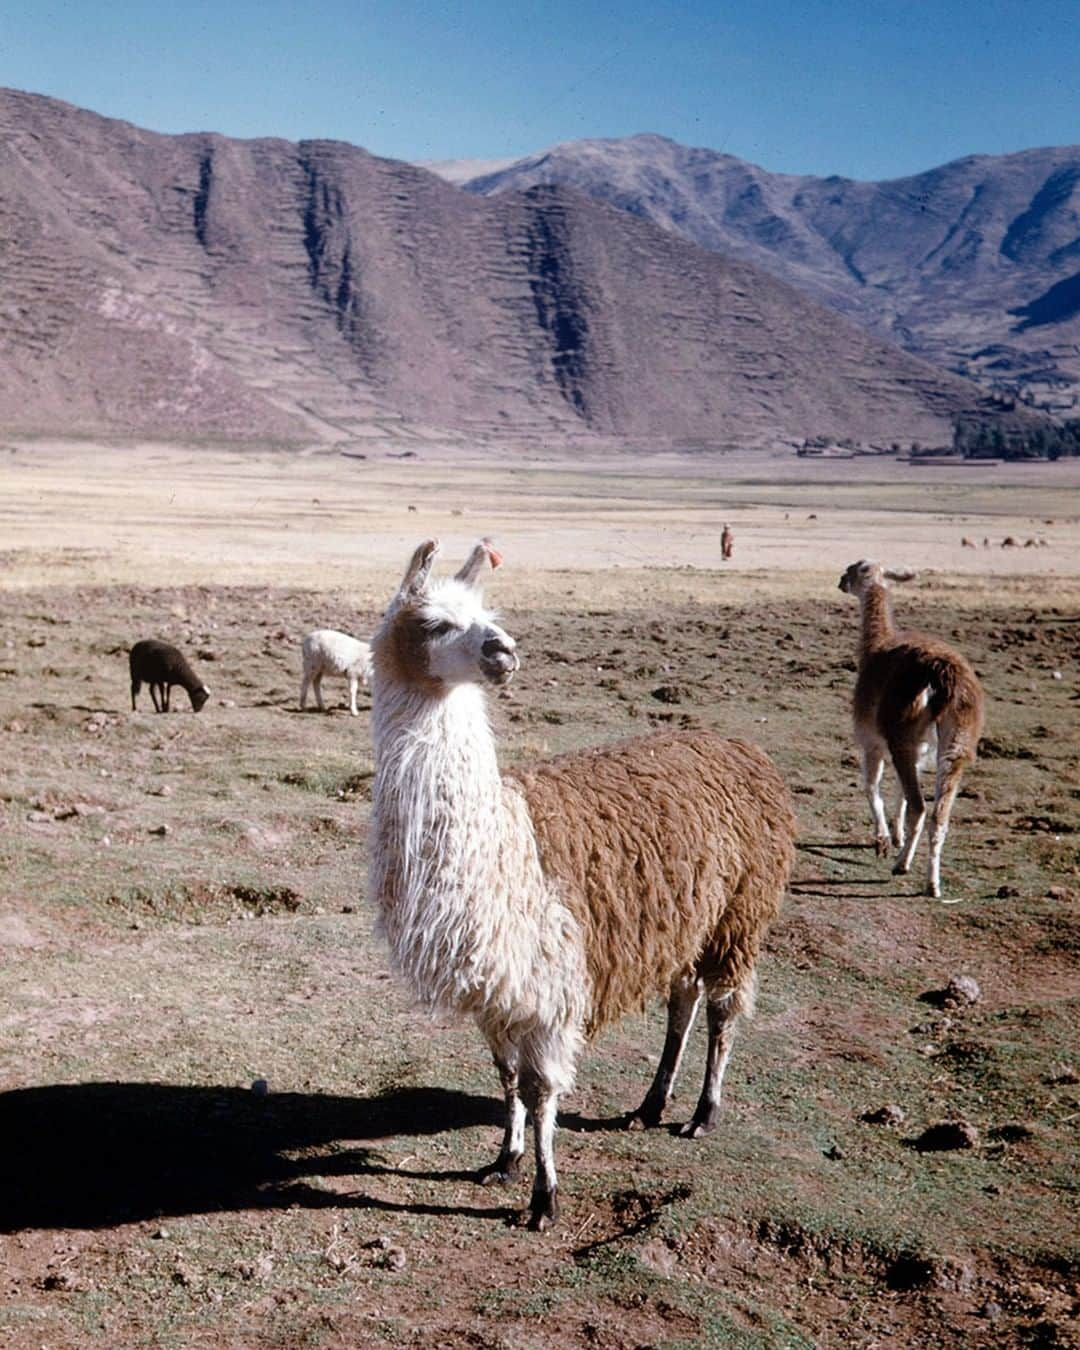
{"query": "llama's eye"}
{"type": "Point", "coordinates": [440, 629]}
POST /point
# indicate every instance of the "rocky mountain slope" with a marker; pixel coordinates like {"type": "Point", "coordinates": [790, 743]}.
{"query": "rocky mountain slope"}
{"type": "Point", "coordinates": [974, 265]}
{"type": "Point", "coordinates": [200, 286]}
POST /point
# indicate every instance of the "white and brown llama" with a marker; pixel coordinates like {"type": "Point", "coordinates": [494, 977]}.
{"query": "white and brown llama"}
{"type": "Point", "coordinates": [549, 904]}
{"type": "Point", "coordinates": [911, 689]}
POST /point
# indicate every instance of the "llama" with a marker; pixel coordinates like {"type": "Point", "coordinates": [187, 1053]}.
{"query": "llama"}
{"type": "Point", "coordinates": [548, 904]}
{"type": "Point", "coordinates": [161, 666]}
{"type": "Point", "coordinates": [328, 652]}
{"type": "Point", "coordinates": [911, 688]}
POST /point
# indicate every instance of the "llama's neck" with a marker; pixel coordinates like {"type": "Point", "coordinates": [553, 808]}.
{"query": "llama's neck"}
{"type": "Point", "coordinates": [878, 629]}
{"type": "Point", "coordinates": [437, 822]}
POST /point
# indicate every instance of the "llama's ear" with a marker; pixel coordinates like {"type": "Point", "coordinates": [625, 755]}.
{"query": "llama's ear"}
{"type": "Point", "coordinates": [483, 552]}
{"type": "Point", "coordinates": [419, 568]}
{"type": "Point", "coordinates": [900, 573]}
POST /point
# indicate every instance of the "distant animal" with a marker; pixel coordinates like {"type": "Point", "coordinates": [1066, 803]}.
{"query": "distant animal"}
{"type": "Point", "coordinates": [910, 689]}
{"type": "Point", "coordinates": [328, 652]}
{"type": "Point", "coordinates": [967, 543]}
{"type": "Point", "coordinates": [161, 665]}
{"type": "Point", "coordinates": [727, 543]}
{"type": "Point", "coordinates": [549, 903]}
{"type": "Point", "coordinates": [1009, 542]}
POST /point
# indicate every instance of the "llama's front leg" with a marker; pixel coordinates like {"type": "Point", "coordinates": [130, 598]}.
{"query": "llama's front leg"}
{"type": "Point", "coordinates": [543, 1102]}
{"type": "Point", "coordinates": [316, 684]}
{"type": "Point", "coordinates": [507, 1166]}
{"type": "Point", "coordinates": [353, 682]}
{"type": "Point", "coordinates": [722, 1010]}
{"type": "Point", "coordinates": [682, 1009]}
{"type": "Point", "coordinates": [899, 826]}
{"type": "Point", "coordinates": [873, 765]}
{"type": "Point", "coordinates": [907, 771]}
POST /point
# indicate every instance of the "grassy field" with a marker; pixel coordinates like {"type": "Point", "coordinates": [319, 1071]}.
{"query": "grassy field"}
{"type": "Point", "coordinates": [182, 916]}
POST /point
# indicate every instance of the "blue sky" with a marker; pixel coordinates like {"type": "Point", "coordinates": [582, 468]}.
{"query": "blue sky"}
{"type": "Point", "coordinates": [864, 88]}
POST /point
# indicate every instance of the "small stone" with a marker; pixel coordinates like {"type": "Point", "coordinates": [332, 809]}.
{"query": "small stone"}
{"type": "Point", "coordinates": [961, 990]}
{"type": "Point", "coordinates": [990, 1310]}
{"type": "Point", "coordinates": [889, 1114]}
{"type": "Point", "coordinates": [162, 790]}
{"type": "Point", "coordinates": [834, 1153]}
{"type": "Point", "coordinates": [38, 817]}
{"type": "Point", "coordinates": [160, 830]}
{"type": "Point", "coordinates": [1007, 893]}
{"type": "Point", "coordinates": [135, 925]}
{"type": "Point", "coordinates": [160, 1233]}
{"type": "Point", "coordinates": [227, 702]}
{"type": "Point", "coordinates": [1059, 893]}
{"type": "Point", "coordinates": [348, 909]}
{"type": "Point", "coordinates": [946, 1136]}
{"type": "Point", "coordinates": [260, 1087]}
{"type": "Point", "coordinates": [394, 1258]}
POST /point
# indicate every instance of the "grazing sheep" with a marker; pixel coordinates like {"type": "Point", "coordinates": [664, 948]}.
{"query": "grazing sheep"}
{"type": "Point", "coordinates": [161, 666]}
{"type": "Point", "coordinates": [328, 652]}
{"type": "Point", "coordinates": [548, 904]}
{"type": "Point", "coordinates": [910, 689]}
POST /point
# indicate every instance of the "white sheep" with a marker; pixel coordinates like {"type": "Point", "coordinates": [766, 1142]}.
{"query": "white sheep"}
{"type": "Point", "coordinates": [911, 689]}
{"type": "Point", "coordinates": [328, 652]}
{"type": "Point", "coordinates": [549, 904]}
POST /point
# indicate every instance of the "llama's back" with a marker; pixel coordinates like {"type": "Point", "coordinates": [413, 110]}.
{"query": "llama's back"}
{"type": "Point", "coordinates": [669, 850]}
{"type": "Point", "coordinates": [918, 679]}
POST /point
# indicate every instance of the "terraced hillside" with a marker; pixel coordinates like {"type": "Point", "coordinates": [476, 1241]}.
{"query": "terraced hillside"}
{"type": "Point", "coordinates": [200, 286]}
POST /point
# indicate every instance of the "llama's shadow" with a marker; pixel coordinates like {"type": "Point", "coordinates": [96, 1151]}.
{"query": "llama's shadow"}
{"type": "Point", "coordinates": [92, 1155]}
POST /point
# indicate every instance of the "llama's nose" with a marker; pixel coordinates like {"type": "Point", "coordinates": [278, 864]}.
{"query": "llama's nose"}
{"type": "Point", "coordinates": [497, 646]}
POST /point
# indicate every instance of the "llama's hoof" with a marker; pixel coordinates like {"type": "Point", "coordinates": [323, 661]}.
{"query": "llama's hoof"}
{"type": "Point", "coordinates": [882, 845]}
{"type": "Point", "coordinates": [502, 1172]}
{"type": "Point", "coordinates": [543, 1211]}
{"type": "Point", "coordinates": [932, 890]}
{"type": "Point", "coordinates": [900, 869]}
{"type": "Point", "coordinates": [640, 1120]}
{"type": "Point", "coordinates": [695, 1129]}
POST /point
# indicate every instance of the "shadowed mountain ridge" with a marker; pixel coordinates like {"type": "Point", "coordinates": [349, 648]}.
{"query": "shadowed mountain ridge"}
{"type": "Point", "coordinates": [202, 286]}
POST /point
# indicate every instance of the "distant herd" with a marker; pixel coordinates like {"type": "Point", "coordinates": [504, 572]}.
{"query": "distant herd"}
{"type": "Point", "coordinates": [548, 903]}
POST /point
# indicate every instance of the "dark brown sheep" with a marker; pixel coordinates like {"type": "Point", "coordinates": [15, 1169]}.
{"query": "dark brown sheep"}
{"type": "Point", "coordinates": [161, 666]}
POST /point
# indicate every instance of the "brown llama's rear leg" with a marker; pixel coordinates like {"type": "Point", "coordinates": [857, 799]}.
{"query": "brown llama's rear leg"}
{"type": "Point", "coordinates": [723, 1008]}
{"type": "Point", "coordinates": [682, 1009]}
{"type": "Point", "coordinates": [136, 685]}
{"type": "Point", "coordinates": [905, 756]}
{"type": "Point", "coordinates": [155, 696]}
{"type": "Point", "coordinates": [950, 770]}
{"type": "Point", "coordinates": [166, 690]}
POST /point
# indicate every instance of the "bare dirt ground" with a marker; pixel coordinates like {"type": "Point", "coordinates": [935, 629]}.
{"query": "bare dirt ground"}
{"type": "Point", "coordinates": [182, 915]}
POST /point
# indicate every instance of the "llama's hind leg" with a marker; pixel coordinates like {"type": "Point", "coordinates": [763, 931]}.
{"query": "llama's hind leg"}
{"type": "Point", "coordinates": [682, 1009]}
{"type": "Point", "coordinates": [722, 1008]}
{"type": "Point", "coordinates": [507, 1166]}
{"type": "Point", "coordinates": [950, 771]}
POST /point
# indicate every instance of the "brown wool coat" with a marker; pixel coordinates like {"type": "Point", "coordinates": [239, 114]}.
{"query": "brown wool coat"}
{"type": "Point", "coordinates": [672, 852]}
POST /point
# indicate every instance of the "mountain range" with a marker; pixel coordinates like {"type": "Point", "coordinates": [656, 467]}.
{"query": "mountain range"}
{"type": "Point", "coordinates": [974, 266]}
{"type": "Point", "coordinates": [202, 286]}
